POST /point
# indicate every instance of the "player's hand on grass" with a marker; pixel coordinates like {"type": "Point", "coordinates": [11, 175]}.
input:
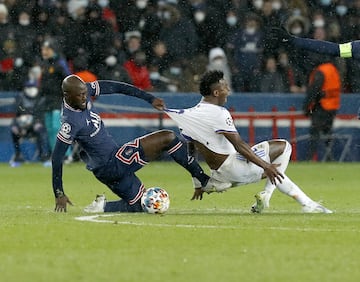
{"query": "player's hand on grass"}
{"type": "Point", "coordinates": [158, 104]}
{"type": "Point", "coordinates": [198, 194]}
{"type": "Point", "coordinates": [273, 174]}
{"type": "Point", "coordinates": [61, 202]}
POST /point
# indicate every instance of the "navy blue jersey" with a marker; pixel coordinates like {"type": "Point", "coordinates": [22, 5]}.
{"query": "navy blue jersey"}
{"type": "Point", "coordinates": [87, 128]}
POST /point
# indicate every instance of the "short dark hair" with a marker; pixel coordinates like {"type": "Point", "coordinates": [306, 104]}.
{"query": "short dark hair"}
{"type": "Point", "coordinates": [208, 79]}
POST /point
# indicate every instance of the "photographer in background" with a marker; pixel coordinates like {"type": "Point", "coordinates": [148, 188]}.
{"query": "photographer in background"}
{"type": "Point", "coordinates": [29, 123]}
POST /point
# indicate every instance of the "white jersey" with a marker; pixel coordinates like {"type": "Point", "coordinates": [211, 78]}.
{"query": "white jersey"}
{"type": "Point", "coordinates": [204, 123]}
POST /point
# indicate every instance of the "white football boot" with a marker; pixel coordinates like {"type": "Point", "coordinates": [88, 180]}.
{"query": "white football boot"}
{"type": "Point", "coordinates": [214, 185]}
{"type": "Point", "coordinates": [314, 207]}
{"type": "Point", "coordinates": [97, 206]}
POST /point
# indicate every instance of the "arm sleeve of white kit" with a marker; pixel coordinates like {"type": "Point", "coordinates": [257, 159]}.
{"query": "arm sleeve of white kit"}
{"type": "Point", "coordinates": [225, 122]}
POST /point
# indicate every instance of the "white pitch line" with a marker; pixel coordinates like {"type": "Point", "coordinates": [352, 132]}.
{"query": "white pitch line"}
{"type": "Point", "coordinates": [98, 219]}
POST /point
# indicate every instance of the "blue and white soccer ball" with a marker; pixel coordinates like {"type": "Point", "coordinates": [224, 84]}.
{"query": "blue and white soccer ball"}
{"type": "Point", "coordinates": [155, 200]}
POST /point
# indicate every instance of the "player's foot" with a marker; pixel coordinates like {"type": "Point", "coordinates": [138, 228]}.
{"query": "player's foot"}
{"type": "Point", "coordinates": [262, 202]}
{"type": "Point", "coordinates": [97, 205]}
{"type": "Point", "coordinates": [47, 163]}
{"type": "Point", "coordinates": [17, 160]}
{"type": "Point", "coordinates": [315, 207]}
{"type": "Point", "coordinates": [214, 185]}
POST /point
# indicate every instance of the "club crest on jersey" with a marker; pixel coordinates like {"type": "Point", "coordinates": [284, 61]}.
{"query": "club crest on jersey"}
{"type": "Point", "coordinates": [65, 130]}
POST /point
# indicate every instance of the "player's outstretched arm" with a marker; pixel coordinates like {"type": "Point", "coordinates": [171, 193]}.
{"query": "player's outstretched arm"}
{"type": "Point", "coordinates": [61, 200]}
{"type": "Point", "coordinates": [344, 50]}
{"type": "Point", "coordinates": [104, 87]}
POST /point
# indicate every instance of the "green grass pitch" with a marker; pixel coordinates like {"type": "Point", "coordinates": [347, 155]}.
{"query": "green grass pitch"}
{"type": "Point", "coordinates": [216, 239]}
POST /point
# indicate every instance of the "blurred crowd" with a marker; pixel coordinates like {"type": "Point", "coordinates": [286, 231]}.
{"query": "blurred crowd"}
{"type": "Point", "coordinates": [165, 45]}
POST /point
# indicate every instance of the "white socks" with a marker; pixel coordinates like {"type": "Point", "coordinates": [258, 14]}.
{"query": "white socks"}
{"type": "Point", "coordinates": [287, 186]}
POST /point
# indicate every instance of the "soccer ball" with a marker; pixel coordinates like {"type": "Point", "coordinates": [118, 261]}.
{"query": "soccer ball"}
{"type": "Point", "coordinates": [155, 200]}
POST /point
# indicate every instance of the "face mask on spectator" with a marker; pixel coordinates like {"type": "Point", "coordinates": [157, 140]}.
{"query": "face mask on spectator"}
{"type": "Point", "coordinates": [172, 88]}
{"type": "Point", "coordinates": [111, 61]}
{"type": "Point", "coordinates": [296, 30]}
{"type": "Point", "coordinates": [154, 75]}
{"type": "Point", "coordinates": [325, 2]}
{"type": "Point", "coordinates": [103, 3]}
{"type": "Point", "coordinates": [341, 10]}
{"type": "Point", "coordinates": [319, 23]}
{"type": "Point", "coordinates": [231, 20]}
{"type": "Point", "coordinates": [35, 73]}
{"type": "Point", "coordinates": [141, 4]}
{"type": "Point", "coordinates": [199, 16]}
{"type": "Point", "coordinates": [218, 62]}
{"type": "Point", "coordinates": [24, 22]}
{"type": "Point", "coordinates": [258, 4]}
{"type": "Point", "coordinates": [283, 62]}
{"type": "Point", "coordinates": [175, 70]}
{"type": "Point", "coordinates": [166, 15]}
{"type": "Point", "coordinates": [250, 30]}
{"type": "Point", "coordinates": [276, 5]}
{"type": "Point", "coordinates": [31, 92]}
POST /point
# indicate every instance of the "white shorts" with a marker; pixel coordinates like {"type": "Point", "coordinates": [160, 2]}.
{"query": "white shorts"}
{"type": "Point", "coordinates": [237, 170]}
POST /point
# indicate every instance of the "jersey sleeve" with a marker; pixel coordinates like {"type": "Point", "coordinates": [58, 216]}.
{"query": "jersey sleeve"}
{"type": "Point", "coordinates": [67, 132]}
{"type": "Point", "coordinates": [58, 155]}
{"type": "Point", "coordinates": [317, 46]}
{"type": "Point", "coordinates": [104, 87]}
{"type": "Point", "coordinates": [225, 122]}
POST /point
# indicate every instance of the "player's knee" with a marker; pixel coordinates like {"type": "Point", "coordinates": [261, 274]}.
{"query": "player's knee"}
{"type": "Point", "coordinates": [168, 136]}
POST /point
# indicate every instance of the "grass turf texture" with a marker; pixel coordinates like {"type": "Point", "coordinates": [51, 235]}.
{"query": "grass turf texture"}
{"type": "Point", "coordinates": [216, 239]}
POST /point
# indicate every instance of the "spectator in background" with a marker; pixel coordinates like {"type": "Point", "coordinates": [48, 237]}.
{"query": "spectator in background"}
{"type": "Point", "coordinates": [270, 79]}
{"type": "Point", "coordinates": [160, 56]}
{"type": "Point", "coordinates": [218, 61]}
{"type": "Point", "coordinates": [248, 50]}
{"type": "Point", "coordinates": [185, 77]}
{"type": "Point", "coordinates": [42, 25]}
{"type": "Point", "coordinates": [81, 68]}
{"type": "Point", "coordinates": [25, 36]}
{"type": "Point", "coordinates": [76, 36]}
{"type": "Point", "coordinates": [299, 59]}
{"type": "Point", "coordinates": [29, 122]}
{"type": "Point", "coordinates": [99, 35]}
{"type": "Point", "coordinates": [118, 46]}
{"type": "Point", "coordinates": [132, 43]}
{"type": "Point", "coordinates": [54, 69]}
{"type": "Point", "coordinates": [231, 28]}
{"type": "Point", "coordinates": [159, 82]}
{"type": "Point", "coordinates": [209, 26]}
{"type": "Point", "coordinates": [177, 33]}
{"type": "Point", "coordinates": [292, 83]}
{"type": "Point", "coordinates": [112, 69]}
{"type": "Point", "coordinates": [269, 18]}
{"type": "Point", "coordinates": [7, 49]}
{"type": "Point", "coordinates": [108, 14]}
{"type": "Point", "coordinates": [138, 71]}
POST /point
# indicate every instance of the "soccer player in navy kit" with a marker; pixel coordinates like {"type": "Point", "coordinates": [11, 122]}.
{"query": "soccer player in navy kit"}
{"type": "Point", "coordinates": [113, 165]}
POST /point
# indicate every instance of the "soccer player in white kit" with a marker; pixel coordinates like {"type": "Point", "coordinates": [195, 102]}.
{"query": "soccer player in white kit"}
{"type": "Point", "coordinates": [209, 126]}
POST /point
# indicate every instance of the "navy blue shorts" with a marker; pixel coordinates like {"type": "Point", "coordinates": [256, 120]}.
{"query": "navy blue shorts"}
{"type": "Point", "coordinates": [119, 173]}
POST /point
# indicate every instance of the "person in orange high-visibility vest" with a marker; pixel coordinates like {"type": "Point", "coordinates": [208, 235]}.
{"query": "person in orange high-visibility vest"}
{"type": "Point", "coordinates": [321, 105]}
